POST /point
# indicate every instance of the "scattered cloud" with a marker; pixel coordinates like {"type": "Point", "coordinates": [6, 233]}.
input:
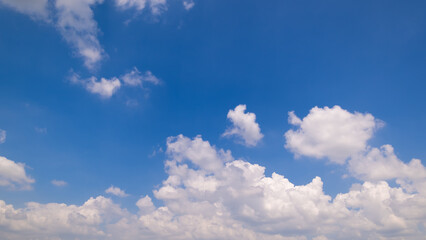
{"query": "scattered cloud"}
{"type": "Point", "coordinates": [188, 4]}
{"type": "Point", "coordinates": [332, 133]}
{"type": "Point", "coordinates": [116, 191]}
{"type": "Point", "coordinates": [76, 23]}
{"type": "Point", "coordinates": [13, 175]}
{"type": "Point", "coordinates": [244, 126]}
{"type": "Point", "coordinates": [103, 87]}
{"type": "Point", "coordinates": [106, 88]}
{"type": "Point", "coordinates": [37, 9]}
{"type": "Point", "coordinates": [135, 78]}
{"type": "Point", "coordinates": [2, 136]}
{"type": "Point", "coordinates": [59, 183]}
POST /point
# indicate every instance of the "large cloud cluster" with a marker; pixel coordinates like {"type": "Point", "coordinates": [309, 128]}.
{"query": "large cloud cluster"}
{"type": "Point", "coordinates": [209, 194]}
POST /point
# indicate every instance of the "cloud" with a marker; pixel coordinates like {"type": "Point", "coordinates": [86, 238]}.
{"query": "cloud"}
{"type": "Point", "coordinates": [135, 78]}
{"type": "Point", "coordinates": [156, 6]}
{"type": "Point", "coordinates": [13, 175]}
{"type": "Point", "coordinates": [76, 23]}
{"type": "Point", "coordinates": [244, 126]}
{"type": "Point", "coordinates": [332, 133]}
{"type": "Point", "coordinates": [382, 164]}
{"type": "Point", "coordinates": [37, 9]}
{"type": "Point", "coordinates": [106, 88]}
{"type": "Point", "coordinates": [209, 194]}
{"type": "Point", "coordinates": [188, 4]}
{"type": "Point", "coordinates": [2, 136]}
{"type": "Point", "coordinates": [116, 191]}
{"type": "Point", "coordinates": [59, 183]}
{"type": "Point", "coordinates": [103, 87]}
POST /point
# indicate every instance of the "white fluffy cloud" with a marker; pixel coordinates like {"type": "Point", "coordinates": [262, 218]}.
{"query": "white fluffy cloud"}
{"type": "Point", "coordinates": [2, 136]}
{"type": "Point", "coordinates": [35, 8]}
{"type": "Point", "coordinates": [106, 88]}
{"type": "Point", "coordinates": [211, 195]}
{"type": "Point", "coordinates": [244, 126]}
{"type": "Point", "coordinates": [332, 133]}
{"type": "Point", "coordinates": [136, 78]}
{"type": "Point", "coordinates": [13, 175]}
{"type": "Point", "coordinates": [103, 87]}
{"type": "Point", "coordinates": [382, 164]}
{"type": "Point", "coordinates": [116, 191]}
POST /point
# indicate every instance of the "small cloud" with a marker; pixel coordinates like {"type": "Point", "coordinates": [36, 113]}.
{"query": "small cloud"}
{"type": "Point", "coordinates": [59, 183]}
{"type": "Point", "coordinates": [40, 130]}
{"type": "Point", "coordinates": [244, 126]}
{"type": "Point", "coordinates": [103, 87]}
{"type": "Point", "coordinates": [116, 191]}
{"type": "Point", "coordinates": [2, 136]}
{"type": "Point", "coordinates": [188, 4]}
{"type": "Point", "coordinates": [135, 78]}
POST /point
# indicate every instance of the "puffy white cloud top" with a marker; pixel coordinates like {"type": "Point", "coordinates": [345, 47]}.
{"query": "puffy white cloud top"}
{"type": "Point", "coordinates": [244, 126]}
{"type": "Point", "coordinates": [13, 175]}
{"type": "Point", "coordinates": [116, 191]}
{"type": "Point", "coordinates": [332, 133]}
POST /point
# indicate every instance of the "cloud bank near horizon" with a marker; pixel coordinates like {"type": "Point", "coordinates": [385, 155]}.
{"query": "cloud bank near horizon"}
{"type": "Point", "coordinates": [210, 194]}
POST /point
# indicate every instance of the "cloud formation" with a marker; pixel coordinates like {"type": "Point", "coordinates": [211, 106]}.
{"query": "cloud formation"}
{"type": "Point", "coordinates": [106, 88]}
{"type": "Point", "coordinates": [332, 133]}
{"type": "Point", "coordinates": [116, 191]}
{"type": "Point", "coordinates": [244, 126]}
{"type": "Point", "coordinates": [103, 87]}
{"type": "Point", "coordinates": [13, 175]}
{"type": "Point", "coordinates": [135, 78]}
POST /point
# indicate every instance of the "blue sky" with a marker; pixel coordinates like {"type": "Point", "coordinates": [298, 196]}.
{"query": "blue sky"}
{"type": "Point", "coordinates": [192, 63]}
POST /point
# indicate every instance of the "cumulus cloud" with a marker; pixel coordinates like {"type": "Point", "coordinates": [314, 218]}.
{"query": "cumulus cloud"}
{"type": "Point", "coordinates": [103, 87]}
{"type": "Point", "coordinates": [332, 133]}
{"type": "Point", "coordinates": [136, 78]}
{"type": "Point", "coordinates": [244, 126]}
{"type": "Point", "coordinates": [35, 8]}
{"type": "Point", "coordinates": [209, 194]}
{"type": "Point", "coordinates": [382, 164]}
{"type": "Point", "coordinates": [59, 183]}
{"type": "Point", "coordinates": [2, 136]}
{"type": "Point", "coordinates": [116, 191]}
{"type": "Point", "coordinates": [13, 175]}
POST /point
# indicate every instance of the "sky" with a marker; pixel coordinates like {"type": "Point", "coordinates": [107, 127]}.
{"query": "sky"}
{"type": "Point", "coordinates": [202, 119]}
